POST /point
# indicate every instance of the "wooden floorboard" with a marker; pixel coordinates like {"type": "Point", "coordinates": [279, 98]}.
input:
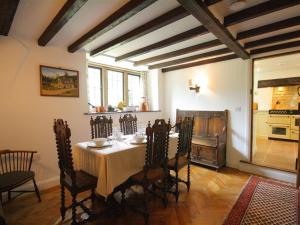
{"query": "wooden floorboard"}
{"type": "Point", "coordinates": [210, 199]}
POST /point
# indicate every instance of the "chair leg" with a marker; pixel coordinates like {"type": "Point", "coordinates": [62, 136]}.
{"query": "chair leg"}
{"type": "Point", "coordinates": [188, 184]}
{"type": "Point", "coordinates": [93, 195]}
{"type": "Point", "coordinates": [145, 203]}
{"type": "Point", "coordinates": [74, 222]}
{"type": "Point", "coordinates": [165, 191]}
{"type": "Point", "coordinates": [176, 185]}
{"type": "Point", "coordinates": [37, 192]}
{"type": "Point", "coordinates": [9, 195]}
{"type": "Point", "coordinates": [62, 199]}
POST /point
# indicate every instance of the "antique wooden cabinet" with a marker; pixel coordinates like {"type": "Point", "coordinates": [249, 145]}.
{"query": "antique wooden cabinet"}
{"type": "Point", "coordinates": [209, 138]}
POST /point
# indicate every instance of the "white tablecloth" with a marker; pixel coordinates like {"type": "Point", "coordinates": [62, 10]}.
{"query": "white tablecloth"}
{"type": "Point", "coordinates": [114, 164]}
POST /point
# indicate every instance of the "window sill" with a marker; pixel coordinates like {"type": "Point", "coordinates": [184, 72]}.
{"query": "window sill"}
{"type": "Point", "coordinates": [104, 113]}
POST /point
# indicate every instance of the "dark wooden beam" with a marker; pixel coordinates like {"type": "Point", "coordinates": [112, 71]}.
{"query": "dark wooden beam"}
{"type": "Point", "coordinates": [211, 2]}
{"type": "Point", "coordinates": [275, 47]}
{"type": "Point", "coordinates": [8, 10]}
{"type": "Point", "coordinates": [62, 17]}
{"type": "Point", "coordinates": [198, 31]}
{"type": "Point", "coordinates": [155, 24]}
{"type": "Point", "coordinates": [179, 52]}
{"type": "Point", "coordinates": [258, 10]}
{"type": "Point", "coordinates": [125, 12]}
{"type": "Point", "coordinates": [279, 82]}
{"type": "Point", "coordinates": [273, 39]}
{"type": "Point", "coordinates": [200, 11]}
{"type": "Point", "coordinates": [291, 22]}
{"type": "Point", "coordinates": [190, 58]}
{"type": "Point", "coordinates": [159, 22]}
{"type": "Point", "coordinates": [199, 63]}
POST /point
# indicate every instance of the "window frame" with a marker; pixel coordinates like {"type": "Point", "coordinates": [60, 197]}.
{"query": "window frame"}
{"type": "Point", "coordinates": [101, 82]}
{"type": "Point", "coordinates": [132, 74]}
{"type": "Point", "coordinates": [104, 80]}
{"type": "Point", "coordinates": [123, 77]}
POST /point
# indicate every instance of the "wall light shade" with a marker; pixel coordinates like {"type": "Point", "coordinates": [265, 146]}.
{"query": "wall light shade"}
{"type": "Point", "coordinates": [193, 86]}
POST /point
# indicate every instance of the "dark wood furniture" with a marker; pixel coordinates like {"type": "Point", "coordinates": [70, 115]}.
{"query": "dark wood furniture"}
{"type": "Point", "coordinates": [155, 168]}
{"type": "Point", "coordinates": [75, 181]}
{"type": "Point", "coordinates": [15, 170]}
{"type": "Point", "coordinates": [183, 154]}
{"type": "Point", "coordinates": [101, 127]}
{"type": "Point", "coordinates": [128, 124]}
{"type": "Point", "coordinates": [209, 138]}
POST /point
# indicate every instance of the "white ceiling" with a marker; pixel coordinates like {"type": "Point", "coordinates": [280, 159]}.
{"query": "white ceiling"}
{"type": "Point", "coordinates": [33, 16]}
{"type": "Point", "coordinates": [291, 61]}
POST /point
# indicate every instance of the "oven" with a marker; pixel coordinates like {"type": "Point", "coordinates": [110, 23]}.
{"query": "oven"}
{"type": "Point", "coordinates": [281, 131]}
{"type": "Point", "coordinates": [279, 126]}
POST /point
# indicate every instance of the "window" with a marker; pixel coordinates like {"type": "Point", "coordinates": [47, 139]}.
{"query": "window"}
{"type": "Point", "coordinates": [134, 93]}
{"type": "Point", "coordinates": [114, 87]}
{"type": "Point", "coordinates": [109, 86]}
{"type": "Point", "coordinates": [95, 86]}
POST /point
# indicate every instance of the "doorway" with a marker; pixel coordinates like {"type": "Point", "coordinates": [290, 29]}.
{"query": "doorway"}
{"type": "Point", "coordinates": [275, 117]}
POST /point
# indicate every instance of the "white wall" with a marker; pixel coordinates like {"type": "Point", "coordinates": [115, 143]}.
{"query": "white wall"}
{"type": "Point", "coordinates": [222, 86]}
{"type": "Point", "coordinates": [26, 118]}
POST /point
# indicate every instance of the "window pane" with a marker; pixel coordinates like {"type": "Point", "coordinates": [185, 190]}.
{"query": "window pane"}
{"type": "Point", "coordinates": [94, 86]}
{"type": "Point", "coordinates": [134, 90]}
{"type": "Point", "coordinates": [114, 87]}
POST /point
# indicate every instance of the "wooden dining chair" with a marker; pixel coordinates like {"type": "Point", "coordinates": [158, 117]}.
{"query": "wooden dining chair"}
{"type": "Point", "coordinates": [15, 170]}
{"type": "Point", "coordinates": [183, 154]}
{"type": "Point", "coordinates": [155, 168]}
{"type": "Point", "coordinates": [75, 181]}
{"type": "Point", "coordinates": [101, 127]}
{"type": "Point", "coordinates": [128, 124]}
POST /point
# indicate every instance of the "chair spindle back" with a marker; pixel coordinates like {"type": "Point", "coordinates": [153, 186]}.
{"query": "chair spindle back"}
{"type": "Point", "coordinates": [128, 124]}
{"type": "Point", "coordinates": [64, 151]}
{"type": "Point", "coordinates": [185, 136]}
{"type": "Point", "coordinates": [101, 127]}
{"type": "Point", "coordinates": [157, 143]}
{"type": "Point", "coordinates": [12, 161]}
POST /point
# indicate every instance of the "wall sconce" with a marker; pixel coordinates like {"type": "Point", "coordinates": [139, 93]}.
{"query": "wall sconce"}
{"type": "Point", "coordinates": [193, 86]}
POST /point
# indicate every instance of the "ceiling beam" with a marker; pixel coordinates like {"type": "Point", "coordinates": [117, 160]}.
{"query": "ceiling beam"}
{"type": "Point", "coordinates": [199, 63]}
{"type": "Point", "coordinates": [258, 10]}
{"type": "Point", "coordinates": [273, 39]}
{"type": "Point", "coordinates": [159, 22]}
{"type": "Point", "coordinates": [125, 12]}
{"type": "Point", "coordinates": [8, 10]}
{"type": "Point", "coordinates": [200, 11]}
{"type": "Point", "coordinates": [283, 24]}
{"type": "Point", "coordinates": [62, 17]}
{"type": "Point", "coordinates": [198, 31]}
{"type": "Point", "coordinates": [179, 52]}
{"type": "Point", "coordinates": [155, 24]}
{"type": "Point", "coordinates": [190, 58]}
{"type": "Point", "coordinates": [275, 47]}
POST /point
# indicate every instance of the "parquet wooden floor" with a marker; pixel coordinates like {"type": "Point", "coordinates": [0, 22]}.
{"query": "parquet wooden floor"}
{"type": "Point", "coordinates": [210, 199]}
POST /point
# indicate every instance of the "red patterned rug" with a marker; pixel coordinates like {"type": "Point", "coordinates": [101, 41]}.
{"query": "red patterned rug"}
{"type": "Point", "coordinates": [265, 202]}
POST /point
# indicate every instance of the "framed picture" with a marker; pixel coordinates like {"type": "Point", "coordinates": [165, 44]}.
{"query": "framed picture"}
{"type": "Point", "coordinates": [59, 82]}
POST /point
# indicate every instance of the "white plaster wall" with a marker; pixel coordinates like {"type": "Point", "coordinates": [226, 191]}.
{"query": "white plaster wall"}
{"type": "Point", "coordinates": [26, 118]}
{"type": "Point", "coordinates": [222, 86]}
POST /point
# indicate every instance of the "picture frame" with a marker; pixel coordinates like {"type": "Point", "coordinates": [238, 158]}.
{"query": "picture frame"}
{"type": "Point", "coordinates": [59, 82]}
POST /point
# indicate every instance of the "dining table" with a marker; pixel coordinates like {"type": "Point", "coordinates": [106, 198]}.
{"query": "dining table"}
{"type": "Point", "coordinates": [114, 162]}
